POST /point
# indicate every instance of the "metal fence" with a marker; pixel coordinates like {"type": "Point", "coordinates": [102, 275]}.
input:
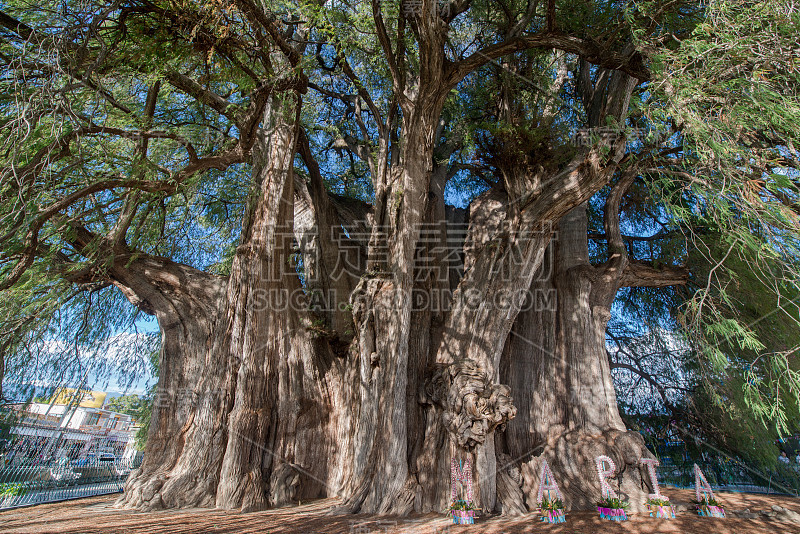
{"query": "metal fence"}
{"type": "Point", "coordinates": [24, 485]}
{"type": "Point", "coordinates": [53, 452]}
{"type": "Point", "coordinates": [730, 475]}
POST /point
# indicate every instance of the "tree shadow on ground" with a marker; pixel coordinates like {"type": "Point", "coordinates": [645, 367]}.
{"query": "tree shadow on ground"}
{"type": "Point", "coordinates": [90, 516]}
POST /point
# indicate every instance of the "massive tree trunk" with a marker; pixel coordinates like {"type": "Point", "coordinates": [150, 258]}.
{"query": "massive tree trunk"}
{"type": "Point", "coordinates": [284, 413]}
{"type": "Point", "coordinates": [277, 385]}
{"type": "Point", "coordinates": [380, 478]}
{"type": "Point", "coordinates": [188, 411]}
{"type": "Point", "coordinates": [555, 357]}
{"type": "Point", "coordinates": [568, 412]}
{"type": "Point", "coordinates": [259, 320]}
{"type": "Point", "coordinates": [288, 403]}
{"type": "Point", "coordinates": [511, 228]}
{"type": "Point", "coordinates": [250, 431]}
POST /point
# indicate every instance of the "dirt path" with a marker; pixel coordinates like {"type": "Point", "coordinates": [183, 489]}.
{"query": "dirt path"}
{"type": "Point", "coordinates": [95, 515]}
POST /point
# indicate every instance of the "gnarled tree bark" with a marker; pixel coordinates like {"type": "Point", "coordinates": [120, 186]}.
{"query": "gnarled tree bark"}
{"type": "Point", "coordinates": [243, 357]}
{"type": "Point", "coordinates": [569, 413]}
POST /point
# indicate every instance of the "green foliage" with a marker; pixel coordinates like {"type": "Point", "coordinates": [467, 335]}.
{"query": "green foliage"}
{"type": "Point", "coordinates": [140, 408]}
{"type": "Point", "coordinates": [461, 504]}
{"type": "Point", "coordinates": [97, 102]}
{"type": "Point", "coordinates": [753, 309]}
{"type": "Point", "coordinates": [706, 500]}
{"type": "Point", "coordinates": [731, 91]}
{"type": "Point", "coordinates": [614, 503]}
{"type": "Point", "coordinates": [551, 504]}
{"type": "Point", "coordinates": [133, 405]}
{"type": "Point", "coordinates": [657, 502]}
{"type": "Point", "coordinates": [10, 489]}
{"type": "Point", "coordinates": [8, 420]}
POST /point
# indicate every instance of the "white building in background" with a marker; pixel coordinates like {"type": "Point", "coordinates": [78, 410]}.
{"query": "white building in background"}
{"type": "Point", "coordinates": [71, 431]}
{"type": "Point", "coordinates": [79, 417]}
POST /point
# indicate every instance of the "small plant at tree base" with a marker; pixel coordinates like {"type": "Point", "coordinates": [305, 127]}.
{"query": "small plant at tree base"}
{"type": "Point", "coordinates": [708, 501]}
{"type": "Point", "coordinates": [660, 508]}
{"type": "Point", "coordinates": [657, 502]}
{"type": "Point", "coordinates": [709, 507]}
{"type": "Point", "coordinates": [461, 504]}
{"type": "Point", "coordinates": [551, 504]}
{"type": "Point", "coordinates": [462, 512]}
{"type": "Point", "coordinates": [615, 503]}
{"type": "Point", "coordinates": [613, 508]}
{"type": "Point", "coordinates": [552, 510]}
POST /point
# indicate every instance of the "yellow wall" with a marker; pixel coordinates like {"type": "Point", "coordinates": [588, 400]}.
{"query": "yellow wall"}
{"type": "Point", "coordinates": [89, 399]}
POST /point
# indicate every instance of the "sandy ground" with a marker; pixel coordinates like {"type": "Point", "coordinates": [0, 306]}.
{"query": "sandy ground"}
{"type": "Point", "coordinates": [95, 515]}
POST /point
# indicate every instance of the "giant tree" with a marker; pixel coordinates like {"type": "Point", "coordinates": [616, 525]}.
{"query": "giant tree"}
{"type": "Point", "coordinates": [187, 157]}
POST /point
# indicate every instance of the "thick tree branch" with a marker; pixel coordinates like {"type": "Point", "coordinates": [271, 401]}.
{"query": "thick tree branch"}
{"type": "Point", "coordinates": [201, 94]}
{"type": "Point", "coordinates": [629, 63]}
{"type": "Point", "coordinates": [523, 22]}
{"type": "Point", "coordinates": [642, 274]}
{"type": "Point", "coordinates": [616, 246]}
{"type": "Point", "coordinates": [149, 282]}
{"type": "Point", "coordinates": [386, 45]}
{"type": "Point", "coordinates": [258, 16]}
{"type": "Point", "coordinates": [12, 24]}
{"type": "Point", "coordinates": [586, 173]}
